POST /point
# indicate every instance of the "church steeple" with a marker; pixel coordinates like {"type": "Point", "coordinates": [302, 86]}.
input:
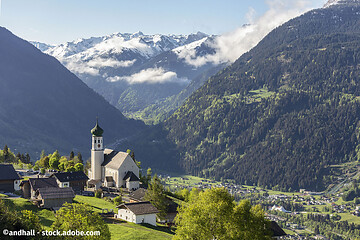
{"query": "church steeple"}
{"type": "Point", "coordinates": [97, 131]}
{"type": "Point", "coordinates": [97, 151]}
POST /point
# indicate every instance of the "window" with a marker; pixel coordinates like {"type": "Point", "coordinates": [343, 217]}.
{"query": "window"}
{"type": "Point", "coordinates": [95, 141]}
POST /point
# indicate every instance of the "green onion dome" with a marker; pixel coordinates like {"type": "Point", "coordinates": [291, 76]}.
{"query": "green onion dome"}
{"type": "Point", "coordinates": [97, 130]}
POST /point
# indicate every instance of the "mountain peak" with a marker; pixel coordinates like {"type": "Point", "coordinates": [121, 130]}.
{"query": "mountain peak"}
{"type": "Point", "coordinates": [342, 3]}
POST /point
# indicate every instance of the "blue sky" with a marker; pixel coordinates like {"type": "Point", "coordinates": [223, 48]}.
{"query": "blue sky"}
{"type": "Point", "coordinates": [57, 21]}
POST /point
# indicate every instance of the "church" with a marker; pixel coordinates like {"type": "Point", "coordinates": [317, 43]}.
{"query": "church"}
{"type": "Point", "coordinates": [110, 168]}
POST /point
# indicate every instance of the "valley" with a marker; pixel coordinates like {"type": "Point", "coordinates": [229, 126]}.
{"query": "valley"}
{"type": "Point", "coordinates": [238, 135]}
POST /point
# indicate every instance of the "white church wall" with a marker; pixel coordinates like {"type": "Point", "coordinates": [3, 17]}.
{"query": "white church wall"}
{"type": "Point", "coordinates": [132, 185]}
{"type": "Point", "coordinates": [127, 165]}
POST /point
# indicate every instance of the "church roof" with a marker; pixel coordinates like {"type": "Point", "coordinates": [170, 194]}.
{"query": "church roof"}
{"type": "Point", "coordinates": [97, 130]}
{"type": "Point", "coordinates": [113, 159]}
{"type": "Point", "coordinates": [131, 177]}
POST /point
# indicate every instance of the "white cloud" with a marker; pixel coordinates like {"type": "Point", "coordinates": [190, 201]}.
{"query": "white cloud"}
{"type": "Point", "coordinates": [101, 62]}
{"type": "Point", "coordinates": [80, 68]}
{"type": "Point", "coordinates": [150, 75]}
{"type": "Point", "coordinates": [93, 66]}
{"type": "Point", "coordinates": [232, 45]}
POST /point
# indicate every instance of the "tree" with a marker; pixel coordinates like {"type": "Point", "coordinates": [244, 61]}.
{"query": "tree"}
{"type": "Point", "coordinates": [80, 217]}
{"type": "Point", "coordinates": [70, 169]}
{"type": "Point", "coordinates": [214, 215]}
{"type": "Point", "coordinates": [98, 193]}
{"type": "Point", "coordinates": [156, 195]}
{"type": "Point", "coordinates": [27, 158]}
{"type": "Point", "coordinates": [14, 221]}
{"type": "Point", "coordinates": [71, 155]}
{"type": "Point", "coordinates": [79, 167]}
{"type": "Point", "coordinates": [42, 154]}
{"type": "Point", "coordinates": [42, 171]}
{"type": "Point", "coordinates": [54, 160]}
{"type": "Point", "coordinates": [80, 158]}
{"type": "Point", "coordinates": [44, 162]}
{"type": "Point", "coordinates": [6, 153]}
{"type": "Point", "coordinates": [117, 200]}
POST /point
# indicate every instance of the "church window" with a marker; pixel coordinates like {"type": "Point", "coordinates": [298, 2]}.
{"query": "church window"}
{"type": "Point", "coordinates": [95, 141]}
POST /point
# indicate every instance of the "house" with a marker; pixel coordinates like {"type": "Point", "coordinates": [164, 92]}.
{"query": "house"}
{"type": "Point", "coordinates": [33, 184]}
{"type": "Point", "coordinates": [137, 212]}
{"type": "Point", "coordinates": [76, 180]}
{"type": "Point", "coordinates": [46, 193]}
{"type": "Point", "coordinates": [139, 196]}
{"type": "Point", "coordinates": [9, 179]}
{"type": "Point", "coordinates": [276, 230]}
{"type": "Point", "coordinates": [53, 197]}
{"type": "Point", "coordinates": [111, 168]}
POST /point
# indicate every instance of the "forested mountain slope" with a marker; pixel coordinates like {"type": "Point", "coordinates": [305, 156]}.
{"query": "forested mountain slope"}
{"type": "Point", "coordinates": [44, 106]}
{"type": "Point", "coordinates": [283, 112]}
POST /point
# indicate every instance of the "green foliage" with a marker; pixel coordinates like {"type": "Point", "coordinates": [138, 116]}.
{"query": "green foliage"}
{"type": "Point", "coordinates": [13, 221]}
{"type": "Point", "coordinates": [117, 200]}
{"type": "Point", "coordinates": [79, 167]}
{"type": "Point", "coordinates": [70, 169]}
{"type": "Point", "coordinates": [98, 193]}
{"type": "Point", "coordinates": [54, 160]}
{"type": "Point", "coordinates": [42, 171]}
{"type": "Point", "coordinates": [156, 195]}
{"type": "Point", "coordinates": [214, 215]}
{"type": "Point", "coordinates": [80, 217]}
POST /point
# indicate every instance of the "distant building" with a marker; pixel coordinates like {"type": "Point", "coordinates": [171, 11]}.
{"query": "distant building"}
{"type": "Point", "coordinates": [280, 209]}
{"type": "Point", "coordinates": [76, 180]}
{"type": "Point", "coordinates": [111, 168]}
{"type": "Point", "coordinates": [137, 212]}
{"type": "Point", "coordinates": [9, 179]}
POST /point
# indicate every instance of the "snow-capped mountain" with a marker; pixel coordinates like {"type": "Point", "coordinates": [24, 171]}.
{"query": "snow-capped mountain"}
{"type": "Point", "coordinates": [341, 3]}
{"type": "Point", "coordinates": [134, 70]}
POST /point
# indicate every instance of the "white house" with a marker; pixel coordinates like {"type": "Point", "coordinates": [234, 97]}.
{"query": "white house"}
{"type": "Point", "coordinates": [137, 212]}
{"type": "Point", "coordinates": [111, 168]}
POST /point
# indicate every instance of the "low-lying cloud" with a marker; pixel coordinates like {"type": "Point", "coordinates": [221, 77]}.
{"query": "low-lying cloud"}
{"type": "Point", "coordinates": [93, 66]}
{"type": "Point", "coordinates": [150, 75]}
{"type": "Point", "coordinates": [232, 45]}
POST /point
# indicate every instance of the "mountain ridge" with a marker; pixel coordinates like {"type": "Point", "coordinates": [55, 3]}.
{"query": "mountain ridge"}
{"type": "Point", "coordinates": [45, 106]}
{"type": "Point", "coordinates": [282, 113]}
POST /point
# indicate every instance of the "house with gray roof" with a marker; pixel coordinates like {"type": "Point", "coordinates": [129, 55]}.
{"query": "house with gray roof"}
{"type": "Point", "coordinates": [76, 180]}
{"type": "Point", "coordinates": [46, 193]}
{"type": "Point", "coordinates": [9, 179]}
{"type": "Point", "coordinates": [53, 197]}
{"type": "Point", "coordinates": [137, 212]}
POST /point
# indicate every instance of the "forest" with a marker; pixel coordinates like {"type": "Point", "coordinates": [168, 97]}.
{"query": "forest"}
{"type": "Point", "coordinates": [283, 112]}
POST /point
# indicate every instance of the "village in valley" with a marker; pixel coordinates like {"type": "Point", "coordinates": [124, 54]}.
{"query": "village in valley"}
{"type": "Point", "coordinates": [115, 188]}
